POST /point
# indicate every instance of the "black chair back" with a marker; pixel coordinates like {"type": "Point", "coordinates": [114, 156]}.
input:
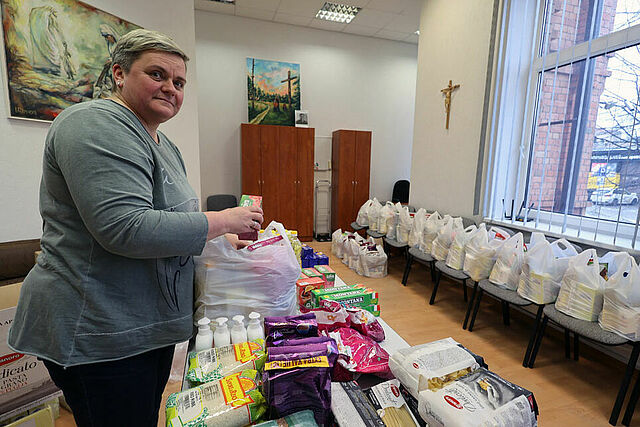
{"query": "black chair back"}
{"type": "Point", "coordinates": [400, 192]}
{"type": "Point", "coordinates": [219, 202]}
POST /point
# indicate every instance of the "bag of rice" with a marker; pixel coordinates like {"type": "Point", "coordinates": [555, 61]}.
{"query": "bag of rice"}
{"type": "Point", "coordinates": [216, 363]}
{"type": "Point", "coordinates": [233, 401]}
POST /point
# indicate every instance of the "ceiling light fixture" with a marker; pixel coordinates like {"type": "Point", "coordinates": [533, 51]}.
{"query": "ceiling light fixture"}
{"type": "Point", "coordinates": [337, 12]}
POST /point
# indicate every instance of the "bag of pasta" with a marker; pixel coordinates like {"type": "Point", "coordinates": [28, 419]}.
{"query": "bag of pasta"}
{"type": "Point", "coordinates": [506, 271]}
{"type": "Point", "coordinates": [442, 242]}
{"type": "Point", "coordinates": [455, 256]}
{"type": "Point", "coordinates": [417, 228]}
{"type": "Point", "coordinates": [582, 287]}
{"type": "Point", "coordinates": [233, 401]}
{"type": "Point", "coordinates": [390, 405]}
{"type": "Point", "coordinates": [621, 309]}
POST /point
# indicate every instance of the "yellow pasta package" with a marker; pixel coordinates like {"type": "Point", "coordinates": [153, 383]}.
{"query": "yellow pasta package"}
{"type": "Point", "coordinates": [390, 405]}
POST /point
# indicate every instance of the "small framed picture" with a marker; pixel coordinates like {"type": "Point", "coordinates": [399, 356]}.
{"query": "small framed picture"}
{"type": "Point", "coordinates": [302, 119]}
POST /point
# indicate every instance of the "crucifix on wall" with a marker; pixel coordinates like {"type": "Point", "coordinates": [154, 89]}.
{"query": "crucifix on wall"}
{"type": "Point", "coordinates": [447, 99]}
{"type": "Point", "coordinates": [288, 80]}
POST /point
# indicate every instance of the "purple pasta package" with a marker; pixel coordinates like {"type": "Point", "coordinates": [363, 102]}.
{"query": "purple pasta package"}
{"type": "Point", "coordinates": [301, 341]}
{"type": "Point", "coordinates": [278, 328]}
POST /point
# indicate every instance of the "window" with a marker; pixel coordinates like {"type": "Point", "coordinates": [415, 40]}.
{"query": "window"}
{"type": "Point", "coordinates": [564, 155]}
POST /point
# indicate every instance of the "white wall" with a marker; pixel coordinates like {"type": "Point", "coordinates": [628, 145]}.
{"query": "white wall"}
{"type": "Point", "coordinates": [347, 82]}
{"type": "Point", "coordinates": [22, 142]}
{"type": "Point", "coordinates": [454, 45]}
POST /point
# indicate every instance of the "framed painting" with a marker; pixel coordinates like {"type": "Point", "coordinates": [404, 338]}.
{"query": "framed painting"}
{"type": "Point", "coordinates": [273, 91]}
{"type": "Point", "coordinates": [56, 54]}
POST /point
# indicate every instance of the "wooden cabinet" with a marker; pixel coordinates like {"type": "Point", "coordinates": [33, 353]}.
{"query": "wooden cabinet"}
{"type": "Point", "coordinates": [350, 163]}
{"type": "Point", "coordinates": [277, 164]}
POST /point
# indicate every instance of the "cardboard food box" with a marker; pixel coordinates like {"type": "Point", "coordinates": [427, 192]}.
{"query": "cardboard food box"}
{"type": "Point", "coordinates": [304, 287]}
{"type": "Point", "coordinates": [328, 274]}
{"type": "Point", "coordinates": [335, 290]}
{"type": "Point", "coordinates": [42, 418]}
{"type": "Point", "coordinates": [246, 201]}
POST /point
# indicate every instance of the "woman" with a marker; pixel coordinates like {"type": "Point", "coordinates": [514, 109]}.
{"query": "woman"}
{"type": "Point", "coordinates": [112, 291]}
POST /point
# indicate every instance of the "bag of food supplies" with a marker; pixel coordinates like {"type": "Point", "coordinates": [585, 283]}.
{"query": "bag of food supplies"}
{"type": "Point", "coordinates": [542, 270]}
{"type": "Point", "coordinates": [481, 398]}
{"type": "Point", "coordinates": [229, 281]}
{"type": "Point", "coordinates": [621, 309]}
{"type": "Point", "coordinates": [233, 401]}
{"type": "Point", "coordinates": [404, 225]}
{"type": "Point", "coordinates": [353, 249]}
{"type": "Point", "coordinates": [373, 212]}
{"type": "Point", "coordinates": [216, 363]}
{"type": "Point", "coordinates": [582, 287]}
{"type": "Point", "coordinates": [480, 252]}
{"type": "Point", "coordinates": [432, 365]}
{"type": "Point", "coordinates": [392, 223]}
{"type": "Point", "coordinates": [374, 261]}
{"type": "Point", "coordinates": [442, 242]}
{"type": "Point", "coordinates": [455, 256]}
{"type": "Point", "coordinates": [431, 227]}
{"type": "Point", "coordinates": [417, 228]}
{"type": "Point", "coordinates": [362, 219]}
{"type": "Point", "coordinates": [506, 271]}
{"type": "Point", "coordinates": [336, 243]}
{"type": "Point", "coordinates": [387, 213]}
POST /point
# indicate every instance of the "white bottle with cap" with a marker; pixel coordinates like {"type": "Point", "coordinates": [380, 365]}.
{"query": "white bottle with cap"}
{"type": "Point", "coordinates": [221, 336]}
{"type": "Point", "coordinates": [238, 331]}
{"type": "Point", "coordinates": [204, 338]}
{"type": "Point", "coordinates": [254, 328]}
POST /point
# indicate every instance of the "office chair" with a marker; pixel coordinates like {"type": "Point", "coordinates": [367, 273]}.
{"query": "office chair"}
{"type": "Point", "coordinates": [219, 202]}
{"type": "Point", "coordinates": [400, 192]}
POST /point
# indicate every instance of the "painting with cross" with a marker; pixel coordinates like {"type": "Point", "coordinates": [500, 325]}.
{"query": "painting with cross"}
{"type": "Point", "coordinates": [273, 92]}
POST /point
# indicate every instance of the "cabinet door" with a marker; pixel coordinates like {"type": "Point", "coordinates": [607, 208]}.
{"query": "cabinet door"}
{"type": "Point", "coordinates": [343, 182]}
{"type": "Point", "coordinates": [361, 170]}
{"type": "Point", "coordinates": [270, 175]}
{"type": "Point", "coordinates": [287, 172]}
{"type": "Point", "coordinates": [251, 174]}
{"type": "Point", "coordinates": [305, 187]}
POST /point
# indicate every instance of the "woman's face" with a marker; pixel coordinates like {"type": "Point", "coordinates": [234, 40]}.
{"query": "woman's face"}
{"type": "Point", "coordinates": [154, 86]}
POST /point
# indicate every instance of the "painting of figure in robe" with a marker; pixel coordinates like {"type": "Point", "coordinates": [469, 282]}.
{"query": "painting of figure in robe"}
{"type": "Point", "coordinates": [57, 54]}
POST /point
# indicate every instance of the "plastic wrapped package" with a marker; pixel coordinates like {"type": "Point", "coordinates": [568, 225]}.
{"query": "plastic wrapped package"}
{"type": "Point", "coordinates": [230, 281]}
{"type": "Point", "coordinates": [298, 419]}
{"type": "Point", "coordinates": [404, 225]}
{"type": "Point", "coordinates": [362, 219]}
{"type": "Point", "coordinates": [233, 401]}
{"type": "Point", "coordinates": [481, 398]}
{"type": "Point", "coordinates": [417, 227]}
{"type": "Point", "coordinates": [621, 308]}
{"type": "Point", "coordinates": [442, 242]}
{"type": "Point", "coordinates": [542, 270]}
{"type": "Point", "coordinates": [506, 271]}
{"type": "Point", "coordinates": [431, 227]}
{"type": "Point", "coordinates": [455, 256]}
{"type": "Point", "coordinates": [331, 315]}
{"type": "Point", "coordinates": [432, 365]}
{"type": "Point", "coordinates": [363, 354]}
{"type": "Point", "coordinates": [480, 254]}
{"type": "Point", "coordinates": [374, 262]}
{"type": "Point", "coordinates": [582, 288]}
{"type": "Point", "coordinates": [216, 363]}
{"type": "Point", "coordinates": [366, 323]}
{"type": "Point", "coordinates": [392, 224]}
{"type": "Point", "coordinates": [373, 212]}
{"type": "Point", "coordinates": [281, 327]}
{"type": "Point", "coordinates": [390, 405]}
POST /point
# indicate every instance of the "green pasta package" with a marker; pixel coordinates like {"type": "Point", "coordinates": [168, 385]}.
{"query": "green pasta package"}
{"type": "Point", "coordinates": [233, 401]}
{"type": "Point", "coordinates": [215, 363]}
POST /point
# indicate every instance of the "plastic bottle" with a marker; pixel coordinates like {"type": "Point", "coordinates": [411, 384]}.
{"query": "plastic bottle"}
{"type": "Point", "coordinates": [254, 328]}
{"type": "Point", "coordinates": [238, 331]}
{"type": "Point", "coordinates": [221, 336]}
{"type": "Point", "coordinates": [296, 244]}
{"type": "Point", "coordinates": [204, 338]}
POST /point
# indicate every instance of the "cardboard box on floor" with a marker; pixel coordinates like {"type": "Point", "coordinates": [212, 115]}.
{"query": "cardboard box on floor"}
{"type": "Point", "coordinates": [24, 380]}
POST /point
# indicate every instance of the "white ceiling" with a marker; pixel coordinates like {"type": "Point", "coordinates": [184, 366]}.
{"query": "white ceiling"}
{"type": "Point", "coordinates": [387, 19]}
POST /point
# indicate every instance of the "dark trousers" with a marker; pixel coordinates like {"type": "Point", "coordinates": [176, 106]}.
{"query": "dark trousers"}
{"type": "Point", "coordinates": [125, 392]}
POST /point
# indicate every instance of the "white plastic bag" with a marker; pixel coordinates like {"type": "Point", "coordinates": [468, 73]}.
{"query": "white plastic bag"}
{"type": "Point", "coordinates": [417, 227]}
{"type": "Point", "coordinates": [373, 212]}
{"type": "Point", "coordinates": [621, 309]}
{"type": "Point", "coordinates": [480, 253]}
{"type": "Point", "coordinates": [455, 257]}
{"type": "Point", "coordinates": [582, 287]}
{"type": "Point", "coordinates": [374, 262]}
{"type": "Point", "coordinates": [387, 213]}
{"type": "Point", "coordinates": [392, 224]}
{"type": "Point", "coordinates": [363, 217]}
{"type": "Point", "coordinates": [404, 225]}
{"type": "Point", "coordinates": [230, 281]}
{"type": "Point", "coordinates": [442, 242]}
{"type": "Point", "coordinates": [542, 270]}
{"type": "Point", "coordinates": [506, 271]}
{"type": "Point", "coordinates": [336, 243]}
{"type": "Point", "coordinates": [431, 227]}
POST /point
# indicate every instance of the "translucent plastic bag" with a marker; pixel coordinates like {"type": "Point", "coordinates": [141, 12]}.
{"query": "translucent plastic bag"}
{"type": "Point", "coordinates": [582, 287]}
{"type": "Point", "coordinates": [387, 213]}
{"type": "Point", "coordinates": [354, 248]}
{"type": "Point", "coordinates": [506, 271]}
{"type": "Point", "coordinates": [392, 223]}
{"type": "Point", "coordinates": [404, 225]}
{"type": "Point", "coordinates": [417, 228]}
{"type": "Point", "coordinates": [455, 257]}
{"type": "Point", "coordinates": [431, 227]}
{"type": "Point", "coordinates": [363, 216]}
{"type": "Point", "coordinates": [373, 212]}
{"type": "Point", "coordinates": [374, 262]}
{"type": "Point", "coordinates": [441, 244]}
{"type": "Point", "coordinates": [621, 309]}
{"type": "Point", "coordinates": [230, 281]}
{"type": "Point", "coordinates": [480, 253]}
{"type": "Point", "coordinates": [542, 270]}
{"type": "Point", "coordinates": [336, 244]}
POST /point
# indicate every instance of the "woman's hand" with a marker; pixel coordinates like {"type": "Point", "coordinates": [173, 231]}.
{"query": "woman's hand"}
{"type": "Point", "coordinates": [234, 220]}
{"type": "Point", "coordinates": [236, 242]}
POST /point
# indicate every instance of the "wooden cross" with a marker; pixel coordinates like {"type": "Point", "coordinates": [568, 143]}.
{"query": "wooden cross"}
{"type": "Point", "coordinates": [289, 79]}
{"type": "Point", "coordinates": [447, 98]}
